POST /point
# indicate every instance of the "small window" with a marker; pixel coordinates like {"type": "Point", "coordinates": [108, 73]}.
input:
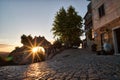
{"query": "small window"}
{"type": "Point", "coordinates": [101, 10]}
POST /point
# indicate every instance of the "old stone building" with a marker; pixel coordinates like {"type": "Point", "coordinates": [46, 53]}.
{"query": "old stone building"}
{"type": "Point", "coordinates": [89, 26]}
{"type": "Point", "coordinates": [106, 23]}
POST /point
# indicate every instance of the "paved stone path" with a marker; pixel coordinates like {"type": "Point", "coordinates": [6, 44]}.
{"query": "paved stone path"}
{"type": "Point", "coordinates": [73, 64]}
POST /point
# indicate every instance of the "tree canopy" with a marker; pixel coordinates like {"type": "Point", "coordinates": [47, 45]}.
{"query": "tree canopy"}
{"type": "Point", "coordinates": [67, 26]}
{"type": "Point", "coordinates": [34, 41]}
{"type": "Point", "coordinates": [26, 40]}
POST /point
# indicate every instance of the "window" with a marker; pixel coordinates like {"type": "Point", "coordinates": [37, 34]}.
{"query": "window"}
{"type": "Point", "coordinates": [101, 11]}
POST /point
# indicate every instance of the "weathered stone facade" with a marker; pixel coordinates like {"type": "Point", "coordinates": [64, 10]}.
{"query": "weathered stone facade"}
{"type": "Point", "coordinates": [88, 26]}
{"type": "Point", "coordinates": [105, 26]}
{"type": "Point", "coordinates": [108, 33]}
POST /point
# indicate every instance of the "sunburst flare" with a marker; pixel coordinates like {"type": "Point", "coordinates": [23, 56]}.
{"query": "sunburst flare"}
{"type": "Point", "coordinates": [35, 51]}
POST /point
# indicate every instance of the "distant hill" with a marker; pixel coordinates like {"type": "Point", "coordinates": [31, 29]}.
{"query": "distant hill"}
{"type": "Point", "coordinates": [4, 54]}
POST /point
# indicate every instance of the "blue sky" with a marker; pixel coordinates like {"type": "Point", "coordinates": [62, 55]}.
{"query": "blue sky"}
{"type": "Point", "coordinates": [33, 17]}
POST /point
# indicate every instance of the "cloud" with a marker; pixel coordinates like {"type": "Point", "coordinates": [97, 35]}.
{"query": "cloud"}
{"type": "Point", "coordinates": [5, 45]}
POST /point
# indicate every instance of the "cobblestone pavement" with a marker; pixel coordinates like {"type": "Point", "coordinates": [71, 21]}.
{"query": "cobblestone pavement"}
{"type": "Point", "coordinates": [73, 64]}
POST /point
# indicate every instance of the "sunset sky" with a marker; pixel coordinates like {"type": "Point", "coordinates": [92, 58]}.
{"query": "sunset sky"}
{"type": "Point", "coordinates": [33, 17]}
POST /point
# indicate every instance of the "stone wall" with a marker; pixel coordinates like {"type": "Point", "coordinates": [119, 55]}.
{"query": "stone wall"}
{"type": "Point", "coordinates": [110, 27]}
{"type": "Point", "coordinates": [106, 23]}
{"type": "Point", "coordinates": [112, 12]}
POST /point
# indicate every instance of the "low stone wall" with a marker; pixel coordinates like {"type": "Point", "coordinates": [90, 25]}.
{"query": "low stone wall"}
{"type": "Point", "coordinates": [52, 51]}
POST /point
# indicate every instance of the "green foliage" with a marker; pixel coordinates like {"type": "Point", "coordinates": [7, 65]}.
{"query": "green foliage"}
{"type": "Point", "coordinates": [67, 26]}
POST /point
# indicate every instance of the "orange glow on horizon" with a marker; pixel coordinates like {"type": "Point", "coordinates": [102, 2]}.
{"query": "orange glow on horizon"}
{"type": "Point", "coordinates": [8, 47]}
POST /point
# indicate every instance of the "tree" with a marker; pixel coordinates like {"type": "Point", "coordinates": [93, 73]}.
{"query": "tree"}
{"type": "Point", "coordinates": [57, 44]}
{"type": "Point", "coordinates": [67, 26]}
{"type": "Point", "coordinates": [26, 40]}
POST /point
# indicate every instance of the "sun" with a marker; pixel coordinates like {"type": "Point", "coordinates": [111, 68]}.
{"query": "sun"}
{"type": "Point", "coordinates": [38, 49]}
{"type": "Point", "coordinates": [35, 49]}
